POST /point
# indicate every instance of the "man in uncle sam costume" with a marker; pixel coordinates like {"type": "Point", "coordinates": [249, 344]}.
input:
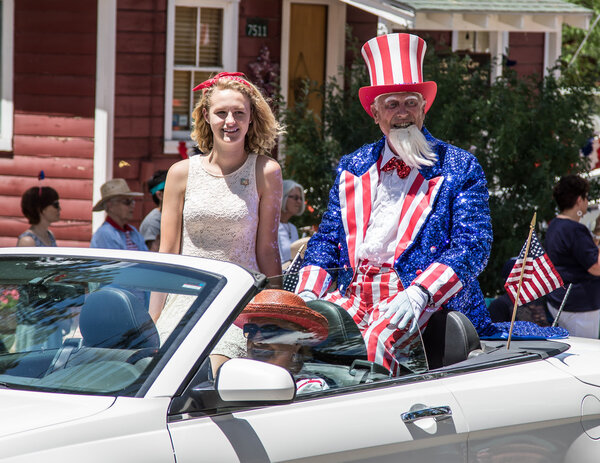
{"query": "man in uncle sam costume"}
{"type": "Point", "coordinates": [407, 230]}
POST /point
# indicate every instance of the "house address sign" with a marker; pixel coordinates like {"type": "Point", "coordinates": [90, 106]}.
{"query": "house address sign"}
{"type": "Point", "coordinates": [256, 27]}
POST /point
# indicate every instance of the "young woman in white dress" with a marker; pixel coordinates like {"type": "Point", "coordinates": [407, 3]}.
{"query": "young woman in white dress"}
{"type": "Point", "coordinates": [225, 204]}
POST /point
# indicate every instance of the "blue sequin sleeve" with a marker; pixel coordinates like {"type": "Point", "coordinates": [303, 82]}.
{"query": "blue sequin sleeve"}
{"type": "Point", "coordinates": [470, 222]}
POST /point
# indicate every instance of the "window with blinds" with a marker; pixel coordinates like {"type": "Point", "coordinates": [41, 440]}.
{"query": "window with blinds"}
{"type": "Point", "coordinates": [198, 53]}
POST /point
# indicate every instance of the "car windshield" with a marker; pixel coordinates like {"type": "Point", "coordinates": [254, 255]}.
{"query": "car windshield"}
{"type": "Point", "coordinates": [81, 325]}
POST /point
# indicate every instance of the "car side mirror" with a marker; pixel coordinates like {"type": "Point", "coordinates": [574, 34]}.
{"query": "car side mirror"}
{"type": "Point", "coordinates": [246, 380]}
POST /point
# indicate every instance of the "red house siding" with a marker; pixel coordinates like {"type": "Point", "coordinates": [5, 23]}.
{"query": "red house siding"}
{"type": "Point", "coordinates": [527, 49]}
{"type": "Point", "coordinates": [140, 95]}
{"type": "Point", "coordinates": [54, 87]}
{"type": "Point", "coordinates": [363, 26]}
{"type": "Point", "coordinates": [249, 47]}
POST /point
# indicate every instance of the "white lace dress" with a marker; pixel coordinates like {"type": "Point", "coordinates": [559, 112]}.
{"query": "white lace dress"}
{"type": "Point", "coordinates": [220, 221]}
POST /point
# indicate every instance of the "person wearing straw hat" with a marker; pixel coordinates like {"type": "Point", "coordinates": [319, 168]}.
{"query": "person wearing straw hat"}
{"type": "Point", "coordinates": [279, 328]}
{"type": "Point", "coordinates": [408, 222]}
{"type": "Point", "coordinates": [118, 201]}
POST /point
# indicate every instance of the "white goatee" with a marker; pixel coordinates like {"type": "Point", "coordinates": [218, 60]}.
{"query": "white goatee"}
{"type": "Point", "coordinates": [412, 147]}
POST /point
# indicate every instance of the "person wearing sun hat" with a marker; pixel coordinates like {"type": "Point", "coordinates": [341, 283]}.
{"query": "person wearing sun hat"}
{"type": "Point", "coordinates": [279, 327]}
{"type": "Point", "coordinates": [118, 201]}
{"type": "Point", "coordinates": [408, 229]}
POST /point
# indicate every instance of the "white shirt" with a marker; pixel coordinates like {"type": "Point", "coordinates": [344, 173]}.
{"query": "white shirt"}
{"type": "Point", "coordinates": [380, 241]}
{"type": "Point", "coordinates": [288, 233]}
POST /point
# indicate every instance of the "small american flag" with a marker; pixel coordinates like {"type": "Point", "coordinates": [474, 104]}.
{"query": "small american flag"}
{"type": "Point", "coordinates": [290, 277]}
{"type": "Point", "coordinates": [540, 276]}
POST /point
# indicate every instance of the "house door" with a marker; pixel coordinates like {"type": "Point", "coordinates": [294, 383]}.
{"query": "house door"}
{"type": "Point", "coordinates": [307, 50]}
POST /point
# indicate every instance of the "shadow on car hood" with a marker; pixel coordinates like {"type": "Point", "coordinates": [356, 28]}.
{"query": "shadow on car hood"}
{"type": "Point", "coordinates": [582, 360]}
{"type": "Point", "coordinates": [23, 411]}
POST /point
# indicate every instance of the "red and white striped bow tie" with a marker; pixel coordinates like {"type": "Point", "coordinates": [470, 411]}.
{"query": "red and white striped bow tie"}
{"type": "Point", "coordinates": [401, 168]}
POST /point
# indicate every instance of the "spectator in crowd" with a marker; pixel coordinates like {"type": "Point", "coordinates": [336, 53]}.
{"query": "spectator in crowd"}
{"type": "Point", "coordinates": [224, 204]}
{"type": "Point", "coordinates": [292, 205]}
{"type": "Point", "coordinates": [575, 256]}
{"type": "Point", "coordinates": [150, 226]}
{"type": "Point", "coordinates": [41, 207]}
{"type": "Point", "coordinates": [118, 201]}
{"type": "Point", "coordinates": [279, 329]}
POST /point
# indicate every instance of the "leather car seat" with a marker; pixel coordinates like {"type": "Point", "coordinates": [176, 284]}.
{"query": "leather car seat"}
{"type": "Point", "coordinates": [449, 338]}
{"type": "Point", "coordinates": [344, 344]}
{"type": "Point", "coordinates": [115, 318]}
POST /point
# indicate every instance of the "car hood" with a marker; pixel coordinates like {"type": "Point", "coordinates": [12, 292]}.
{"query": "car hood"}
{"type": "Point", "coordinates": [26, 410]}
{"type": "Point", "coordinates": [581, 360]}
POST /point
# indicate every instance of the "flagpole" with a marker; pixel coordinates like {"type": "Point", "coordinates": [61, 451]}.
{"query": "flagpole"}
{"type": "Point", "coordinates": [514, 314]}
{"type": "Point", "coordinates": [562, 304]}
{"type": "Point", "coordinates": [296, 257]}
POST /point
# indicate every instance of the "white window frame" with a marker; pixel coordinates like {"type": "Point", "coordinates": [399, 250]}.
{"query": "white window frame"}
{"type": "Point", "coordinates": [6, 90]}
{"type": "Point", "coordinates": [229, 50]}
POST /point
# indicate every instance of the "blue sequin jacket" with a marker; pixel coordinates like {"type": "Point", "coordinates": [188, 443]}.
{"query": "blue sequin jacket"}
{"type": "Point", "coordinates": [456, 233]}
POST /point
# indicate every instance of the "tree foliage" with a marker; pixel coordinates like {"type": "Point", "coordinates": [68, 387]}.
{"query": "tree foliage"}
{"type": "Point", "coordinates": [526, 133]}
{"type": "Point", "coordinates": [586, 65]}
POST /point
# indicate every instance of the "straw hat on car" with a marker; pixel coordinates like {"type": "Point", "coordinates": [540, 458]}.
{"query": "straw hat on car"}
{"type": "Point", "coordinates": [113, 188]}
{"type": "Point", "coordinates": [283, 305]}
{"type": "Point", "coordinates": [395, 64]}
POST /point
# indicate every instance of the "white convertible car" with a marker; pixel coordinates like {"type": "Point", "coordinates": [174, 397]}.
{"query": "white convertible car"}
{"type": "Point", "coordinates": [86, 376]}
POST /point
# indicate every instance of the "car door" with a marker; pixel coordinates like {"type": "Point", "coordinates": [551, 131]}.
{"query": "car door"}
{"type": "Point", "coordinates": [527, 412]}
{"type": "Point", "coordinates": [364, 423]}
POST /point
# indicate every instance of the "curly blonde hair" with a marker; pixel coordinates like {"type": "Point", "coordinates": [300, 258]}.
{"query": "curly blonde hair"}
{"type": "Point", "coordinates": [262, 133]}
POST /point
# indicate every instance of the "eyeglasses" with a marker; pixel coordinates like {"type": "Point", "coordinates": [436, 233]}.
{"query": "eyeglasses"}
{"type": "Point", "coordinates": [56, 204]}
{"type": "Point", "coordinates": [295, 197]}
{"type": "Point", "coordinates": [267, 331]}
{"type": "Point", "coordinates": [126, 201]}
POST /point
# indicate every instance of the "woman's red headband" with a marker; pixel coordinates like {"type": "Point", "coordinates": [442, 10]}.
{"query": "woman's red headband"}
{"type": "Point", "coordinates": [237, 76]}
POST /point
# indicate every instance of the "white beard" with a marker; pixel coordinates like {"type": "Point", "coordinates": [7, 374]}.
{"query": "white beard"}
{"type": "Point", "coordinates": [412, 147]}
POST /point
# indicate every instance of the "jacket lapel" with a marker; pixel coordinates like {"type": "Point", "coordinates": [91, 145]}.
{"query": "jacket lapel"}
{"type": "Point", "coordinates": [356, 201]}
{"type": "Point", "coordinates": [416, 208]}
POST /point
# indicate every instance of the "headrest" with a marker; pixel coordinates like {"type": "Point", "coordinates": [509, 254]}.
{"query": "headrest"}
{"type": "Point", "coordinates": [116, 318]}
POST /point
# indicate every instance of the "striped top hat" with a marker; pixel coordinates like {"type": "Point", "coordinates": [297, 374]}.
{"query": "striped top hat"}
{"type": "Point", "coordinates": [395, 63]}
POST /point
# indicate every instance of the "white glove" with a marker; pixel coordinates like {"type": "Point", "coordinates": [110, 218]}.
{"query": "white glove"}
{"type": "Point", "coordinates": [407, 305]}
{"type": "Point", "coordinates": [307, 296]}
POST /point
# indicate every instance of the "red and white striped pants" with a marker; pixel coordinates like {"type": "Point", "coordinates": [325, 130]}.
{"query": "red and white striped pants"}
{"type": "Point", "coordinates": [370, 287]}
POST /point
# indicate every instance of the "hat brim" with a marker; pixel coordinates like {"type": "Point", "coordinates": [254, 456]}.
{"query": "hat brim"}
{"type": "Point", "coordinates": [368, 94]}
{"type": "Point", "coordinates": [100, 204]}
{"type": "Point", "coordinates": [304, 317]}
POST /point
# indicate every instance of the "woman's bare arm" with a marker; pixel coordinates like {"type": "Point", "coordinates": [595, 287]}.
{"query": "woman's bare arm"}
{"type": "Point", "coordinates": [171, 221]}
{"type": "Point", "coordinates": [270, 190]}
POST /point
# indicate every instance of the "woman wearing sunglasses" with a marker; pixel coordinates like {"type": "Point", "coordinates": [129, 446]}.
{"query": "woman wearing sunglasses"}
{"type": "Point", "coordinates": [280, 328]}
{"type": "Point", "coordinates": [292, 205]}
{"type": "Point", "coordinates": [41, 207]}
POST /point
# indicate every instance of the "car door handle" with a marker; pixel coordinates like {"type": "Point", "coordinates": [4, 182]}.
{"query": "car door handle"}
{"type": "Point", "coordinates": [438, 413]}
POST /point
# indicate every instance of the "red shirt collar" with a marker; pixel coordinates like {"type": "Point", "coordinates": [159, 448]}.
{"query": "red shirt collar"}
{"type": "Point", "coordinates": [126, 228]}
